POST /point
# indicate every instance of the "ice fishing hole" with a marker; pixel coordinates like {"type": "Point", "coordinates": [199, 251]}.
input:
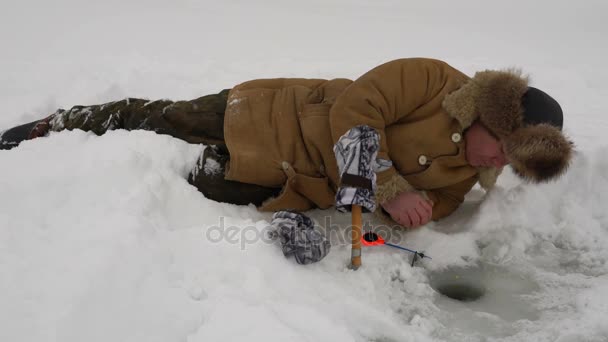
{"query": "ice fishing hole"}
{"type": "Point", "coordinates": [461, 284]}
{"type": "Point", "coordinates": [461, 292]}
{"type": "Point", "coordinates": [484, 299]}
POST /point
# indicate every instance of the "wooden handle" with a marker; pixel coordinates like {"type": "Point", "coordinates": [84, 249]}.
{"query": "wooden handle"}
{"type": "Point", "coordinates": [355, 259]}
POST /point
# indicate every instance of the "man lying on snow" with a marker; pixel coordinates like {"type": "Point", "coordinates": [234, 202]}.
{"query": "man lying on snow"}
{"type": "Point", "coordinates": [271, 140]}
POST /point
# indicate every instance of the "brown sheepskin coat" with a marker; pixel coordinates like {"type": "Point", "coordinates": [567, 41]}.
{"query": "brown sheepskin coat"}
{"type": "Point", "coordinates": [281, 132]}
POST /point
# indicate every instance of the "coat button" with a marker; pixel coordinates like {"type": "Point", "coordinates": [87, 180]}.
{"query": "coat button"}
{"type": "Point", "coordinates": [285, 165]}
{"type": "Point", "coordinates": [456, 137]}
{"type": "Point", "coordinates": [422, 160]}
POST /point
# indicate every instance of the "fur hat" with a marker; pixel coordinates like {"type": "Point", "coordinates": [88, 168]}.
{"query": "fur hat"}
{"type": "Point", "coordinates": [527, 120]}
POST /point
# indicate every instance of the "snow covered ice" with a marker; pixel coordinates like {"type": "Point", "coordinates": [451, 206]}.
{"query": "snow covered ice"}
{"type": "Point", "coordinates": [103, 239]}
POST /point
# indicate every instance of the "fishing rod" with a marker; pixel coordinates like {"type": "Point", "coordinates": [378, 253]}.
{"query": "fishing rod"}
{"type": "Point", "coordinates": [373, 239]}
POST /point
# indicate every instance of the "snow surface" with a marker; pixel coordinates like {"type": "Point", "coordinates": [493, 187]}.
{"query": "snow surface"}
{"type": "Point", "coordinates": [102, 238]}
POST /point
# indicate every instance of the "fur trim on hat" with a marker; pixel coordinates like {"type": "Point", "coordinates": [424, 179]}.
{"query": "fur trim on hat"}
{"type": "Point", "coordinates": [487, 97]}
{"type": "Point", "coordinates": [493, 97]}
{"type": "Point", "coordinates": [538, 153]}
{"type": "Point", "coordinates": [499, 100]}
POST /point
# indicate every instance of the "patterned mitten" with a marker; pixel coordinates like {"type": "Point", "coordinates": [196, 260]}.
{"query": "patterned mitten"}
{"type": "Point", "coordinates": [299, 238]}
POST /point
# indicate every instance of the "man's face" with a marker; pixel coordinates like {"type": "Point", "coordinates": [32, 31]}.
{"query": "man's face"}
{"type": "Point", "coordinates": [483, 149]}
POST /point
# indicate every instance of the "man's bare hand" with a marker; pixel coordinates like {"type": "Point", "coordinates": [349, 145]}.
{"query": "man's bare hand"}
{"type": "Point", "coordinates": [409, 209]}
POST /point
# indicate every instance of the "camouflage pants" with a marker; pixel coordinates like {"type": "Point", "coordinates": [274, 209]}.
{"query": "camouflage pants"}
{"type": "Point", "coordinates": [198, 121]}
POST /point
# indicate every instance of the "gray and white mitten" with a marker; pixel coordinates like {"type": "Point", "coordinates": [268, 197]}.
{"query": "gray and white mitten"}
{"type": "Point", "coordinates": [356, 153]}
{"type": "Point", "coordinates": [299, 238]}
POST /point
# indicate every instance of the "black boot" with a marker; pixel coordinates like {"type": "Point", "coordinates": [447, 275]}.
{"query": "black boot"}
{"type": "Point", "coordinates": [208, 178]}
{"type": "Point", "coordinates": [13, 137]}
